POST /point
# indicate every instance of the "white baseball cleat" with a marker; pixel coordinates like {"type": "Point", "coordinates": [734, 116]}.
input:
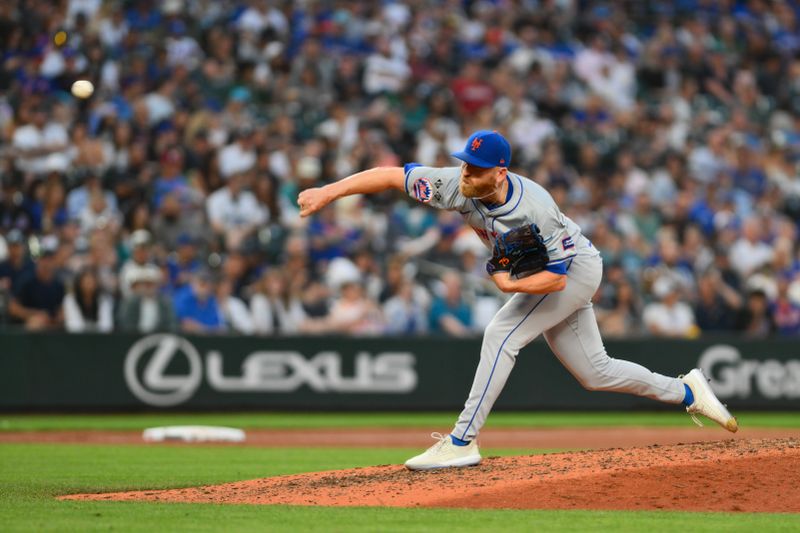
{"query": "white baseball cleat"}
{"type": "Point", "coordinates": [445, 454]}
{"type": "Point", "coordinates": [706, 402]}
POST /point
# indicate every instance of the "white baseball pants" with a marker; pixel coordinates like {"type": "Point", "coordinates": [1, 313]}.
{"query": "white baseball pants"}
{"type": "Point", "coordinates": [567, 320]}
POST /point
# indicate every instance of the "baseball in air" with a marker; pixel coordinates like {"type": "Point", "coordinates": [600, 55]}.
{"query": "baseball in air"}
{"type": "Point", "coordinates": [82, 89]}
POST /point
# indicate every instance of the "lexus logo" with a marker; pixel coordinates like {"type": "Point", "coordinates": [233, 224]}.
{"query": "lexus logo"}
{"type": "Point", "coordinates": [153, 386]}
{"type": "Point", "coordinates": [276, 371]}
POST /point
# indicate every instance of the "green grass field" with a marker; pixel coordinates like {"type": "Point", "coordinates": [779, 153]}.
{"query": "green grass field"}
{"type": "Point", "coordinates": [31, 475]}
{"type": "Point", "coordinates": [360, 420]}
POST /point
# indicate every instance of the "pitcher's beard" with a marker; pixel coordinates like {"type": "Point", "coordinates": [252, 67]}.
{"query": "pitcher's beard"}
{"type": "Point", "coordinates": [476, 193]}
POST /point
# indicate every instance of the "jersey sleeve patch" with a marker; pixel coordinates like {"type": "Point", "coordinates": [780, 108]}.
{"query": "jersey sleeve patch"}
{"type": "Point", "coordinates": [422, 190]}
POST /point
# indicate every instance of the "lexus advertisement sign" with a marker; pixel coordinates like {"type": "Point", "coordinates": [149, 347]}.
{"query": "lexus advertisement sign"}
{"type": "Point", "coordinates": [170, 371]}
{"type": "Point", "coordinates": [266, 371]}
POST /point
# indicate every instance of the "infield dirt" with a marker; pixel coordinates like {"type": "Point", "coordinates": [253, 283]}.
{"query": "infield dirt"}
{"type": "Point", "coordinates": [575, 438]}
{"type": "Point", "coordinates": [751, 475]}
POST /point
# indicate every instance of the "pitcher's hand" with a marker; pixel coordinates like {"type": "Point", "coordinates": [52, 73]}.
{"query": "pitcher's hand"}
{"type": "Point", "coordinates": [312, 200]}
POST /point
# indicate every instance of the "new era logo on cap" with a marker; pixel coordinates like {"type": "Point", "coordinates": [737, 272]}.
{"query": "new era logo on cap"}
{"type": "Point", "coordinates": [486, 149]}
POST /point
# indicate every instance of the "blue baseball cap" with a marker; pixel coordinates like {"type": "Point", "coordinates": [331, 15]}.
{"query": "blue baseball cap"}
{"type": "Point", "coordinates": [486, 149]}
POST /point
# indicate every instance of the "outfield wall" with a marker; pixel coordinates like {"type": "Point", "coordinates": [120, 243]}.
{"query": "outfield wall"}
{"type": "Point", "coordinates": [165, 371]}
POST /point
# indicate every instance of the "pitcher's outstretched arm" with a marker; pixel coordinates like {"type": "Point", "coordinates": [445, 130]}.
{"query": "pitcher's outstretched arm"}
{"type": "Point", "coordinates": [369, 181]}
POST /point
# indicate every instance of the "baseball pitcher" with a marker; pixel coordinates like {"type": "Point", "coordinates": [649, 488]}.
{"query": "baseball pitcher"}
{"type": "Point", "coordinates": [552, 271]}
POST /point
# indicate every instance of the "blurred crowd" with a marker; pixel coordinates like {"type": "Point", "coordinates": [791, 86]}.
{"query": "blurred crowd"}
{"type": "Point", "coordinates": [668, 130]}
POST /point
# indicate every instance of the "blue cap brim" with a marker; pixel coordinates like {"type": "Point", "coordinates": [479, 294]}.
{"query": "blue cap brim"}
{"type": "Point", "coordinates": [472, 160]}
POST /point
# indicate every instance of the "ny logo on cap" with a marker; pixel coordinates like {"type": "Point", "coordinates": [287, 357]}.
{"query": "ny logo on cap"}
{"type": "Point", "coordinates": [476, 143]}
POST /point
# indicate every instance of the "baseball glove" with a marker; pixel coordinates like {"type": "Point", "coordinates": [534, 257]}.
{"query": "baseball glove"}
{"type": "Point", "coordinates": [521, 252]}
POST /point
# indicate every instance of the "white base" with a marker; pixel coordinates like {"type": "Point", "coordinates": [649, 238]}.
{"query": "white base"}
{"type": "Point", "coordinates": [193, 434]}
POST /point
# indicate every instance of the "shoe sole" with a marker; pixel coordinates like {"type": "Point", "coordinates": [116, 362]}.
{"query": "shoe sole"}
{"type": "Point", "coordinates": [471, 460]}
{"type": "Point", "coordinates": [731, 423]}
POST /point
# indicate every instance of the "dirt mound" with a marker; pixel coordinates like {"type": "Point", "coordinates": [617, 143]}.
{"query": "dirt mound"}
{"type": "Point", "coordinates": [731, 475]}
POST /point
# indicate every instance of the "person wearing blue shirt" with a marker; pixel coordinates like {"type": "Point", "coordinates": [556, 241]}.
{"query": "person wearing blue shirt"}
{"type": "Point", "coordinates": [184, 262]}
{"type": "Point", "coordinates": [196, 306]}
{"type": "Point", "coordinates": [172, 179]}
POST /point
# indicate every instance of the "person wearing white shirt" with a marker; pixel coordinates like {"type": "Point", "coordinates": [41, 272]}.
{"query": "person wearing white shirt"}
{"type": "Point", "coordinates": [590, 62]}
{"type": "Point", "coordinates": [260, 16]}
{"type": "Point", "coordinates": [98, 214]}
{"type": "Point", "coordinates": [233, 310]}
{"type": "Point", "coordinates": [36, 141]}
{"type": "Point", "coordinates": [750, 253]}
{"type": "Point", "coordinates": [707, 161]}
{"type": "Point", "coordinates": [182, 49]}
{"type": "Point", "coordinates": [275, 311]}
{"type": "Point", "coordinates": [141, 256]}
{"type": "Point", "coordinates": [239, 156]}
{"type": "Point", "coordinates": [86, 308]}
{"type": "Point", "coordinates": [384, 72]}
{"type": "Point", "coordinates": [78, 198]}
{"type": "Point", "coordinates": [669, 317]}
{"type": "Point", "coordinates": [235, 213]}
{"type": "Point", "coordinates": [113, 29]}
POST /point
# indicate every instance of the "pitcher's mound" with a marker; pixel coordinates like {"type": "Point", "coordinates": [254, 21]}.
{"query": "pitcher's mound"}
{"type": "Point", "coordinates": [730, 475]}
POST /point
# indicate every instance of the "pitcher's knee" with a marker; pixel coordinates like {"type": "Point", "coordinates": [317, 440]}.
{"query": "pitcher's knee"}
{"type": "Point", "coordinates": [595, 382]}
{"type": "Point", "coordinates": [597, 378]}
{"type": "Point", "coordinates": [496, 342]}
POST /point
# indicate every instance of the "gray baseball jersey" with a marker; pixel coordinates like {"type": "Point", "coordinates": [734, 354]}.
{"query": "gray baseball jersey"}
{"type": "Point", "coordinates": [566, 318]}
{"type": "Point", "coordinates": [527, 203]}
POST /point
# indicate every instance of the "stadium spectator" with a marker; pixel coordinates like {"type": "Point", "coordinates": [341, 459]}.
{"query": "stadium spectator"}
{"type": "Point", "coordinates": [171, 222]}
{"type": "Point", "coordinates": [385, 71]}
{"type": "Point", "coordinates": [79, 197]}
{"type": "Point", "coordinates": [98, 213]}
{"type": "Point", "coordinates": [749, 252]}
{"type": "Point", "coordinates": [404, 314]}
{"type": "Point", "coordinates": [786, 311]}
{"type": "Point", "coordinates": [14, 213]}
{"type": "Point", "coordinates": [141, 255]}
{"type": "Point", "coordinates": [237, 270]}
{"type": "Point", "coordinates": [240, 156]}
{"type": "Point", "coordinates": [146, 309]}
{"type": "Point", "coordinates": [47, 209]}
{"type": "Point", "coordinates": [172, 181]}
{"type": "Point", "coordinates": [669, 317]}
{"type": "Point", "coordinates": [38, 140]}
{"type": "Point", "coordinates": [623, 317]}
{"type": "Point", "coordinates": [37, 300]}
{"type": "Point", "coordinates": [183, 262]}
{"type": "Point", "coordinates": [196, 306]}
{"type": "Point", "coordinates": [87, 308]}
{"type": "Point", "coordinates": [276, 307]}
{"type": "Point", "coordinates": [353, 313]}
{"type": "Point", "coordinates": [17, 266]}
{"type": "Point", "coordinates": [717, 304]}
{"type": "Point", "coordinates": [755, 319]}
{"type": "Point", "coordinates": [315, 299]}
{"type": "Point", "coordinates": [449, 312]}
{"type": "Point", "coordinates": [471, 89]}
{"type": "Point", "coordinates": [234, 312]}
{"type": "Point", "coordinates": [234, 213]}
